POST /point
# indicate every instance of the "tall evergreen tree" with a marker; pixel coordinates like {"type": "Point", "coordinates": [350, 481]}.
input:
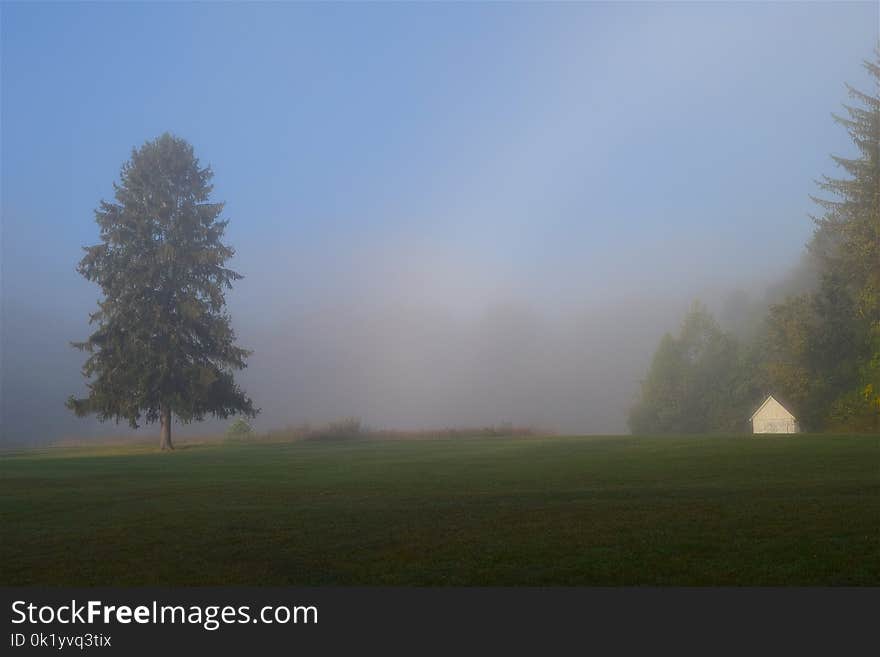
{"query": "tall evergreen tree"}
{"type": "Point", "coordinates": [163, 345]}
{"type": "Point", "coordinates": [820, 347]}
{"type": "Point", "coordinates": [847, 243]}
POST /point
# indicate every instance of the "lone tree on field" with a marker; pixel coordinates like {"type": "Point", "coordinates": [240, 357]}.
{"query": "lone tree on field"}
{"type": "Point", "coordinates": [163, 344]}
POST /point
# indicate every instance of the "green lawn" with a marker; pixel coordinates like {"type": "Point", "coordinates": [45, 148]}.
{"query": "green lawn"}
{"type": "Point", "coordinates": [525, 511]}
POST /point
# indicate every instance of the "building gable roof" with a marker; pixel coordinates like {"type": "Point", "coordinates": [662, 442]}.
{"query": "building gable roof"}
{"type": "Point", "coordinates": [766, 401]}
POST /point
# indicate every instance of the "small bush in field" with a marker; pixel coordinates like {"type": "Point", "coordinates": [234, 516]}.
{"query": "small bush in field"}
{"type": "Point", "coordinates": [239, 429]}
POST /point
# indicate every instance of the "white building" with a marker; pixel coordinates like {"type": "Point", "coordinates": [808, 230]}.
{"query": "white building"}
{"type": "Point", "coordinates": [773, 417]}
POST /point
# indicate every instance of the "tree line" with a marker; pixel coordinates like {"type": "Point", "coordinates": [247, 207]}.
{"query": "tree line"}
{"type": "Point", "coordinates": [819, 348]}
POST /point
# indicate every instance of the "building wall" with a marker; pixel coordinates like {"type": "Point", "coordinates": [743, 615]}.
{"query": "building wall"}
{"type": "Point", "coordinates": [773, 418]}
{"type": "Point", "coordinates": [774, 425]}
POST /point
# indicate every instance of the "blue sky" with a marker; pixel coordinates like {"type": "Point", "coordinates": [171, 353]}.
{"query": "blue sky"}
{"type": "Point", "coordinates": [566, 159]}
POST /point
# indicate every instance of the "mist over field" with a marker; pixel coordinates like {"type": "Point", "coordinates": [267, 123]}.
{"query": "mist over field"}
{"type": "Point", "coordinates": [446, 215]}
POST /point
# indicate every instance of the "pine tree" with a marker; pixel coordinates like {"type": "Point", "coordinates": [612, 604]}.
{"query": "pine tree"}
{"type": "Point", "coordinates": [163, 345]}
{"type": "Point", "coordinates": [847, 243]}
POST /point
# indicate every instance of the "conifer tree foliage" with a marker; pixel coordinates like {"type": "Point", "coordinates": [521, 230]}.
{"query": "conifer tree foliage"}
{"type": "Point", "coordinates": [847, 242]}
{"type": "Point", "coordinates": [820, 348]}
{"type": "Point", "coordinates": [823, 346]}
{"type": "Point", "coordinates": [163, 345]}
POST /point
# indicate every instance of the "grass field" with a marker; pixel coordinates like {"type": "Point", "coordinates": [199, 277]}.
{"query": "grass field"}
{"type": "Point", "coordinates": [522, 511]}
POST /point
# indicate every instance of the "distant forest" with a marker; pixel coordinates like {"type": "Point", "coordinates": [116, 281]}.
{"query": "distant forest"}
{"type": "Point", "coordinates": [817, 345]}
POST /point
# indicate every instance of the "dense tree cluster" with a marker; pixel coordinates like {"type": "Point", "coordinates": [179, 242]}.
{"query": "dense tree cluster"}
{"type": "Point", "coordinates": [698, 381]}
{"type": "Point", "coordinates": [819, 349]}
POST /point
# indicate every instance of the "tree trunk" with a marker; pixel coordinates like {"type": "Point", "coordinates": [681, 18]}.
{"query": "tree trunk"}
{"type": "Point", "coordinates": [165, 433]}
